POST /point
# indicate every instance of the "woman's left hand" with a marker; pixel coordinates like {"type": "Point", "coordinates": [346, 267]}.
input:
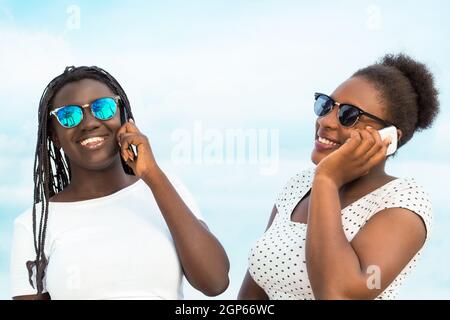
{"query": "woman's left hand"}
{"type": "Point", "coordinates": [144, 164]}
{"type": "Point", "coordinates": [355, 158]}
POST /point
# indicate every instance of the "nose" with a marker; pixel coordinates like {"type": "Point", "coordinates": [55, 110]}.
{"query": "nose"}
{"type": "Point", "coordinates": [89, 122]}
{"type": "Point", "coordinates": [329, 120]}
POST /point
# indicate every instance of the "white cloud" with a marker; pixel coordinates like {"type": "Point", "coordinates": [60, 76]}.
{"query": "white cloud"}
{"type": "Point", "coordinates": [4, 286]}
{"type": "Point", "coordinates": [29, 59]}
{"type": "Point", "coordinates": [16, 195]}
{"type": "Point", "coordinates": [13, 145]}
{"type": "Point", "coordinates": [442, 135]}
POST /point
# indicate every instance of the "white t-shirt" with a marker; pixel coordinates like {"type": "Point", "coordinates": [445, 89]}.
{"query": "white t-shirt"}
{"type": "Point", "coordinates": [113, 247]}
{"type": "Point", "coordinates": [277, 261]}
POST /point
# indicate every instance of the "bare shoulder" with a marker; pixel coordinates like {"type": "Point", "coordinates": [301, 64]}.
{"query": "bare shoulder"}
{"type": "Point", "coordinates": [400, 220]}
{"type": "Point", "coordinates": [391, 238]}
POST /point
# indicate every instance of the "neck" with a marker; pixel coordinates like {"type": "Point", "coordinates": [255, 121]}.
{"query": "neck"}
{"type": "Point", "coordinates": [375, 174]}
{"type": "Point", "coordinates": [90, 184]}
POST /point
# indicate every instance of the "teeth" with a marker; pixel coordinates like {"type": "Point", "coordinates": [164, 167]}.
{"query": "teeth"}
{"type": "Point", "coordinates": [89, 140]}
{"type": "Point", "coordinates": [326, 141]}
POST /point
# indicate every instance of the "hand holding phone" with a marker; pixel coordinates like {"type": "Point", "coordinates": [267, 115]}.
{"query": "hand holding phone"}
{"type": "Point", "coordinates": [391, 132]}
{"type": "Point", "coordinates": [133, 149]}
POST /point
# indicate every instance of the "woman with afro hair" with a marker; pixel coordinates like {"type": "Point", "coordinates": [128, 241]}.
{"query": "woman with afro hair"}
{"type": "Point", "coordinates": [345, 229]}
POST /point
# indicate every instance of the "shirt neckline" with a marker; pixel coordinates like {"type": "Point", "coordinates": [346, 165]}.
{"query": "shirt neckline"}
{"type": "Point", "coordinates": [301, 224]}
{"type": "Point", "coordinates": [100, 199]}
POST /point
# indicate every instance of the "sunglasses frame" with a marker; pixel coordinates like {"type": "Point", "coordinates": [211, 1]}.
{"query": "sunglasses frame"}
{"type": "Point", "coordinates": [360, 111]}
{"type": "Point", "coordinates": [87, 105]}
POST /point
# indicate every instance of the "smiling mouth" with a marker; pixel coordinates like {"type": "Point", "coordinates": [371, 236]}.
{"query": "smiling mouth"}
{"type": "Point", "coordinates": [325, 144]}
{"type": "Point", "coordinates": [93, 143]}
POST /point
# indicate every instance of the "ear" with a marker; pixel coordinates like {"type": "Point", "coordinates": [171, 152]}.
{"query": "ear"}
{"type": "Point", "coordinates": [399, 134]}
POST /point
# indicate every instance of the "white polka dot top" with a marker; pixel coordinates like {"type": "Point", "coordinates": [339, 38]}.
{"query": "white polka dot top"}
{"type": "Point", "coordinates": [277, 260]}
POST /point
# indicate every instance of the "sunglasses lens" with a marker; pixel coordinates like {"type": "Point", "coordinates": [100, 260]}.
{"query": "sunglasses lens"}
{"type": "Point", "coordinates": [348, 115]}
{"type": "Point", "coordinates": [104, 108]}
{"type": "Point", "coordinates": [70, 116]}
{"type": "Point", "coordinates": [323, 105]}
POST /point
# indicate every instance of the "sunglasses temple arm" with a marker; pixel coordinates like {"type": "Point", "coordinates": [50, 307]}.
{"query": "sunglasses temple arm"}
{"type": "Point", "coordinates": [387, 124]}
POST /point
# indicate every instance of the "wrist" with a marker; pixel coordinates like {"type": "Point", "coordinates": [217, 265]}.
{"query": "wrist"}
{"type": "Point", "coordinates": [152, 174]}
{"type": "Point", "coordinates": [320, 178]}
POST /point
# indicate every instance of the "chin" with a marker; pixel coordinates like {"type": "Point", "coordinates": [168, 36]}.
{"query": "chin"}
{"type": "Point", "coordinates": [316, 156]}
{"type": "Point", "coordinates": [99, 163]}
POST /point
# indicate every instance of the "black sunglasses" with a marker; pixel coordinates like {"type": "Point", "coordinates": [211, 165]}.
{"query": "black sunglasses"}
{"type": "Point", "coordinates": [348, 114]}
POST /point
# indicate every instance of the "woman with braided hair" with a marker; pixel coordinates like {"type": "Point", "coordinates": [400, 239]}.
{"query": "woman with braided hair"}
{"type": "Point", "coordinates": [106, 222]}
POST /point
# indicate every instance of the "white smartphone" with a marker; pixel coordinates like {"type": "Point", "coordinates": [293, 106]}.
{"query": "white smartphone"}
{"type": "Point", "coordinates": [391, 132]}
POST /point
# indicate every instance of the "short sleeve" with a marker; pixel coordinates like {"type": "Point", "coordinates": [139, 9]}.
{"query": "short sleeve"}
{"type": "Point", "coordinates": [295, 187]}
{"type": "Point", "coordinates": [22, 251]}
{"type": "Point", "coordinates": [412, 196]}
{"type": "Point", "coordinates": [186, 195]}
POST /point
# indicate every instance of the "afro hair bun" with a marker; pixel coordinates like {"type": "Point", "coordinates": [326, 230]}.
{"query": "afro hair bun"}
{"type": "Point", "coordinates": [422, 81]}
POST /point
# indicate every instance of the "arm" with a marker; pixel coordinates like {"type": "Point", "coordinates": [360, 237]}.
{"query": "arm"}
{"type": "Point", "coordinates": [202, 257]}
{"type": "Point", "coordinates": [249, 288]}
{"type": "Point", "coordinates": [204, 260]}
{"type": "Point", "coordinates": [43, 296]}
{"type": "Point", "coordinates": [337, 268]}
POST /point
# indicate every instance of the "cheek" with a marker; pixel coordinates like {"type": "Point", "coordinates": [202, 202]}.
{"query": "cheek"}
{"type": "Point", "coordinates": [346, 134]}
{"type": "Point", "coordinates": [316, 157]}
{"type": "Point", "coordinates": [63, 135]}
{"type": "Point", "coordinates": [114, 124]}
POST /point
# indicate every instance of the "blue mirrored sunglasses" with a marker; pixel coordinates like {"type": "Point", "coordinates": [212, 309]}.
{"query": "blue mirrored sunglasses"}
{"type": "Point", "coordinates": [70, 116]}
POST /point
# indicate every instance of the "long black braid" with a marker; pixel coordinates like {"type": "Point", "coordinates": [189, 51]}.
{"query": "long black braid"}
{"type": "Point", "coordinates": [51, 170]}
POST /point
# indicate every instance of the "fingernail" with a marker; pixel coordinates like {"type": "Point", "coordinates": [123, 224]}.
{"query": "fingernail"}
{"type": "Point", "coordinates": [369, 127]}
{"type": "Point", "coordinates": [131, 120]}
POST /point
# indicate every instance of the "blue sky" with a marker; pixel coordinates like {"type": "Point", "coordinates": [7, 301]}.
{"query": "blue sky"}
{"type": "Point", "coordinates": [249, 65]}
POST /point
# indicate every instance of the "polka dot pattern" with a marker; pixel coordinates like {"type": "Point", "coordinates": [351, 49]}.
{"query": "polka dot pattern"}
{"type": "Point", "coordinates": [277, 260]}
